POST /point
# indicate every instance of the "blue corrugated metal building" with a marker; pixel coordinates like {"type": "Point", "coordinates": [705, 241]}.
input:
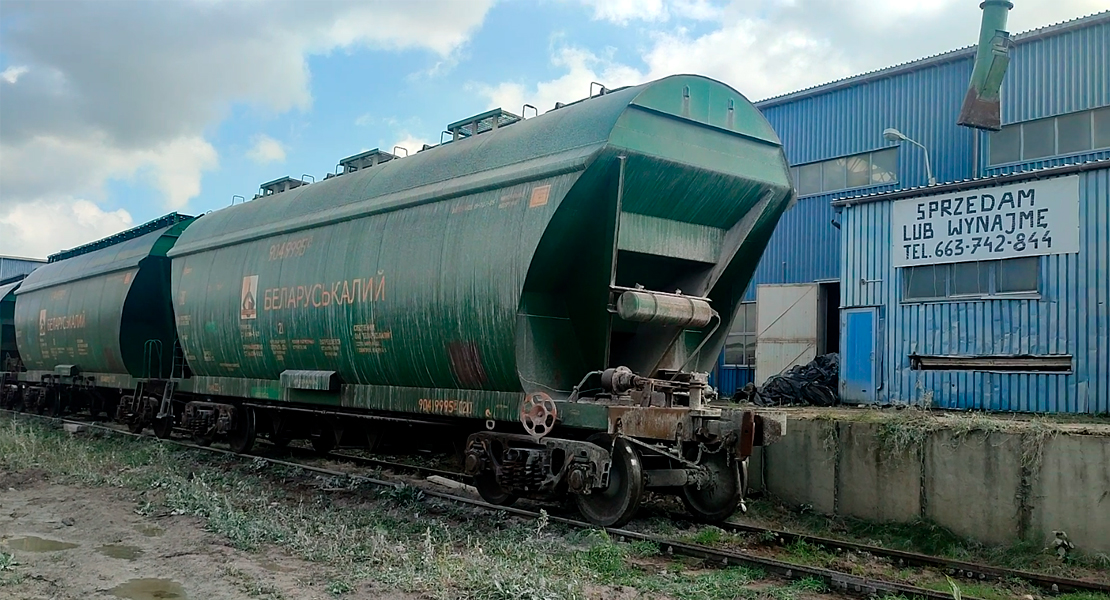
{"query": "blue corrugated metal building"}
{"type": "Point", "coordinates": [978, 323]}
{"type": "Point", "coordinates": [1056, 96]}
{"type": "Point", "coordinates": [11, 266]}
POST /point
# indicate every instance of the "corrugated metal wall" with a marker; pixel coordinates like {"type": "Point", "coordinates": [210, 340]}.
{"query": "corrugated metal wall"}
{"type": "Point", "coordinates": [803, 247]}
{"type": "Point", "coordinates": [1072, 316]}
{"type": "Point", "coordinates": [1056, 74]}
{"type": "Point", "coordinates": [10, 267]}
{"type": "Point", "coordinates": [923, 104]}
{"type": "Point", "coordinates": [1053, 76]}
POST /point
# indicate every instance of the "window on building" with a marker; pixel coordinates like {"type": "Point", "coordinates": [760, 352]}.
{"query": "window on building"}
{"type": "Point", "coordinates": [1074, 133]}
{"type": "Point", "coordinates": [859, 170]}
{"type": "Point", "coordinates": [1100, 128]}
{"type": "Point", "coordinates": [740, 342]}
{"type": "Point", "coordinates": [1006, 145]}
{"type": "Point", "coordinates": [884, 166]}
{"type": "Point", "coordinates": [1017, 275]}
{"type": "Point", "coordinates": [808, 178]}
{"type": "Point", "coordinates": [1055, 136]}
{"type": "Point", "coordinates": [971, 279]}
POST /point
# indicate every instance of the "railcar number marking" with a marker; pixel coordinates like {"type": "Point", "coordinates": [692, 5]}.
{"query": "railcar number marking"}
{"type": "Point", "coordinates": [446, 407]}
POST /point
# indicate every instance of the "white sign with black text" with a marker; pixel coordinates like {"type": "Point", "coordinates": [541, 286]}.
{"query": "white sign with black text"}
{"type": "Point", "coordinates": [1024, 219]}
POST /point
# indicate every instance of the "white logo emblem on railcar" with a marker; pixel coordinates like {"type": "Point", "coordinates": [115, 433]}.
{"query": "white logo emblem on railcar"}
{"type": "Point", "coordinates": [248, 301]}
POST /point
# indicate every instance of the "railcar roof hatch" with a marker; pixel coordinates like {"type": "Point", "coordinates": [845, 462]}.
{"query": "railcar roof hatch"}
{"type": "Point", "coordinates": [481, 123]}
{"type": "Point", "coordinates": [363, 160]}
{"type": "Point", "coordinates": [278, 186]}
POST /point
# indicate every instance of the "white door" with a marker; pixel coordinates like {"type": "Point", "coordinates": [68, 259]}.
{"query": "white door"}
{"type": "Point", "coordinates": [786, 327]}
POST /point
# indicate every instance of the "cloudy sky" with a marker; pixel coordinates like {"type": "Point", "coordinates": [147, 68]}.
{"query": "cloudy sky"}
{"type": "Point", "coordinates": [114, 113]}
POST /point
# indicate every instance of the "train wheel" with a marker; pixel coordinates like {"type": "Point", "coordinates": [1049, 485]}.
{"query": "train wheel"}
{"type": "Point", "coordinates": [616, 504]}
{"type": "Point", "coordinates": [55, 402]}
{"type": "Point", "coordinates": [241, 439]}
{"type": "Point", "coordinates": [41, 401]}
{"type": "Point", "coordinates": [323, 436]}
{"type": "Point", "coordinates": [323, 442]}
{"type": "Point", "coordinates": [716, 500]}
{"type": "Point", "coordinates": [163, 427]}
{"type": "Point", "coordinates": [491, 491]}
{"type": "Point", "coordinates": [205, 439]}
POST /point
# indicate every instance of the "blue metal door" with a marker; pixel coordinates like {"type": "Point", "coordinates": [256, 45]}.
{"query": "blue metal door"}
{"type": "Point", "coordinates": [857, 360]}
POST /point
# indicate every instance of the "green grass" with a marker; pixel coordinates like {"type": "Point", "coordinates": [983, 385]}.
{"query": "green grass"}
{"type": "Point", "coordinates": [395, 538]}
{"type": "Point", "coordinates": [8, 573]}
{"type": "Point", "coordinates": [809, 554]}
{"type": "Point", "coordinates": [925, 537]}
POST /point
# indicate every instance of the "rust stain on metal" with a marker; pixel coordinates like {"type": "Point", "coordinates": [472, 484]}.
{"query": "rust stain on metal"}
{"type": "Point", "coordinates": [466, 363]}
{"type": "Point", "coordinates": [747, 435]}
{"type": "Point", "coordinates": [655, 423]}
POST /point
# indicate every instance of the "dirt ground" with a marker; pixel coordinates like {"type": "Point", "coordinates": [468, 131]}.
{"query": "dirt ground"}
{"type": "Point", "coordinates": [109, 551]}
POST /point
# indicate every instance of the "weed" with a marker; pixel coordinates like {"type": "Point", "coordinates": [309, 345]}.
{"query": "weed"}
{"type": "Point", "coordinates": [904, 434]}
{"type": "Point", "coordinates": [644, 548]}
{"type": "Point", "coordinates": [810, 554]}
{"type": "Point", "coordinates": [8, 574]}
{"type": "Point", "coordinates": [919, 536]}
{"type": "Point", "coordinates": [607, 558]}
{"type": "Point", "coordinates": [809, 584]}
{"type": "Point", "coordinates": [956, 593]}
{"type": "Point", "coordinates": [542, 521]}
{"type": "Point", "coordinates": [708, 536]}
{"type": "Point", "coordinates": [1038, 433]}
{"type": "Point", "coordinates": [338, 587]}
{"type": "Point", "coordinates": [402, 494]}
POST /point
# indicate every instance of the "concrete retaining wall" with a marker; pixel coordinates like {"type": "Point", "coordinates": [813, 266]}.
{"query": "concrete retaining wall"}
{"type": "Point", "coordinates": [992, 486]}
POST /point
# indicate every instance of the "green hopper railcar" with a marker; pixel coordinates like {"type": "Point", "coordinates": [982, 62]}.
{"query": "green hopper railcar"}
{"type": "Point", "coordinates": [575, 272]}
{"type": "Point", "coordinates": [96, 319]}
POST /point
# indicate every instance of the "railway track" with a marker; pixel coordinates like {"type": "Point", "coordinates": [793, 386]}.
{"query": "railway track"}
{"type": "Point", "coordinates": [956, 568]}
{"type": "Point", "coordinates": [835, 580]}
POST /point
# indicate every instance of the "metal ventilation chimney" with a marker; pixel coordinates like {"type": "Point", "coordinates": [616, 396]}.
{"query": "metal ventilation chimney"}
{"type": "Point", "coordinates": [982, 107]}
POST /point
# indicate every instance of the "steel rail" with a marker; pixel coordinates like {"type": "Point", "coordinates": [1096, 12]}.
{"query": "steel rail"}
{"type": "Point", "coordinates": [845, 583]}
{"type": "Point", "coordinates": [396, 467]}
{"type": "Point", "coordinates": [979, 571]}
{"type": "Point", "coordinates": [957, 568]}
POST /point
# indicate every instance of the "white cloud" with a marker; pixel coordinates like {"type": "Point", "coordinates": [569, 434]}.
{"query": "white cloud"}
{"type": "Point", "coordinates": [72, 223]}
{"type": "Point", "coordinates": [768, 47]}
{"type": "Point", "coordinates": [582, 67]}
{"type": "Point", "coordinates": [622, 12]}
{"type": "Point", "coordinates": [409, 142]}
{"type": "Point", "coordinates": [47, 167]}
{"type": "Point", "coordinates": [745, 54]}
{"type": "Point", "coordinates": [265, 150]}
{"type": "Point", "coordinates": [112, 91]}
{"type": "Point", "coordinates": [12, 74]}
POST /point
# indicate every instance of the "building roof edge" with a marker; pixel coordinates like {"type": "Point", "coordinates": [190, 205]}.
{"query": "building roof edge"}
{"type": "Point", "coordinates": [931, 61]}
{"type": "Point", "coordinates": [982, 182]}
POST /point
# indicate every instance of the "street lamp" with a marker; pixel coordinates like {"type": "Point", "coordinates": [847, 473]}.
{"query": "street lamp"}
{"type": "Point", "coordinates": [891, 134]}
